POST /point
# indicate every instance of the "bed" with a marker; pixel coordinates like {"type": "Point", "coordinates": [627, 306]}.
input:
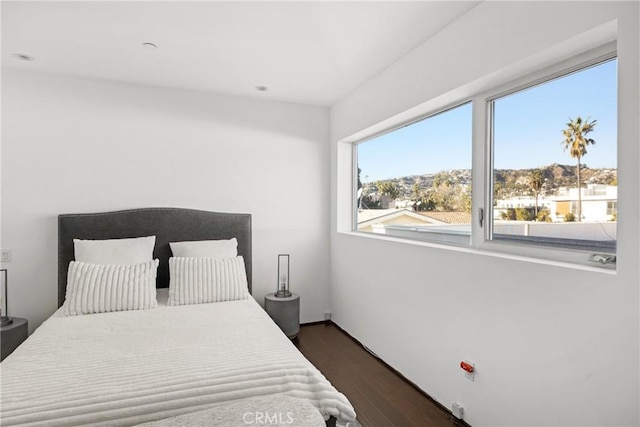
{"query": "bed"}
{"type": "Point", "coordinates": [168, 363]}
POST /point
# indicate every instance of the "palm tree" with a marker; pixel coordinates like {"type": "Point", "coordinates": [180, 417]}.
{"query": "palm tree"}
{"type": "Point", "coordinates": [576, 141]}
{"type": "Point", "coordinates": [536, 181]}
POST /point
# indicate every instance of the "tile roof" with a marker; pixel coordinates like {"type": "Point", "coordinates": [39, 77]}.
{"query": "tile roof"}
{"type": "Point", "coordinates": [449, 217]}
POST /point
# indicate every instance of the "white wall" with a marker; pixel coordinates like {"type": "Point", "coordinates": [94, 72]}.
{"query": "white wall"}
{"type": "Point", "coordinates": [553, 345]}
{"type": "Point", "coordinates": [71, 145]}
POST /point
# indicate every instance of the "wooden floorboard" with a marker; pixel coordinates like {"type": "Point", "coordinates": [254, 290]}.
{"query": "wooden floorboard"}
{"type": "Point", "coordinates": [379, 395]}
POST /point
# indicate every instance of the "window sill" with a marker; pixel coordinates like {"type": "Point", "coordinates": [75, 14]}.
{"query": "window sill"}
{"type": "Point", "coordinates": [496, 252]}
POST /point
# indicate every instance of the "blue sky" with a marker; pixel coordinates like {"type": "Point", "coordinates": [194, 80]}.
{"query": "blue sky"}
{"type": "Point", "coordinates": [528, 130]}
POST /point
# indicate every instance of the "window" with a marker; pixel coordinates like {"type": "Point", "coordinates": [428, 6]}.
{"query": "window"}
{"type": "Point", "coordinates": [554, 150]}
{"type": "Point", "coordinates": [543, 153]}
{"type": "Point", "coordinates": [415, 181]}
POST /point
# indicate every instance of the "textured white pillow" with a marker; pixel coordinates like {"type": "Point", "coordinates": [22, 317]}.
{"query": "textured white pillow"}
{"type": "Point", "coordinates": [93, 288]}
{"type": "Point", "coordinates": [205, 249]}
{"type": "Point", "coordinates": [115, 251]}
{"type": "Point", "coordinates": [201, 280]}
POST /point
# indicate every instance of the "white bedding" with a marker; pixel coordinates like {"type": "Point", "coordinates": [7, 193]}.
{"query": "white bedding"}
{"type": "Point", "coordinates": [271, 411]}
{"type": "Point", "coordinates": [126, 368]}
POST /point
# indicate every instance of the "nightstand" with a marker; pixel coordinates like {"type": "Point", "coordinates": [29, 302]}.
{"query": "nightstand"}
{"type": "Point", "coordinates": [285, 311]}
{"type": "Point", "coordinates": [13, 335]}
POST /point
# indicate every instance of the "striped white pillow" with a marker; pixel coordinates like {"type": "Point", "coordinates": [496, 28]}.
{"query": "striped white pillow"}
{"type": "Point", "coordinates": [202, 280]}
{"type": "Point", "coordinates": [93, 288]}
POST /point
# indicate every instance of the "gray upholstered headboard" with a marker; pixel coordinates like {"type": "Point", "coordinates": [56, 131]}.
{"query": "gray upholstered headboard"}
{"type": "Point", "coordinates": [167, 224]}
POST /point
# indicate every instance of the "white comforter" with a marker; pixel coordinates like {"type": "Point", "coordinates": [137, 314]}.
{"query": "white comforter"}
{"type": "Point", "coordinates": [126, 368]}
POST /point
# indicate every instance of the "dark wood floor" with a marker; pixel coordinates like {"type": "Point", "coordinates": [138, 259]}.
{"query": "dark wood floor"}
{"type": "Point", "coordinates": [380, 396]}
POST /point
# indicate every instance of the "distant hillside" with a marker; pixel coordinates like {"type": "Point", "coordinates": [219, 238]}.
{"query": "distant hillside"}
{"type": "Point", "coordinates": [559, 175]}
{"type": "Point", "coordinates": [508, 182]}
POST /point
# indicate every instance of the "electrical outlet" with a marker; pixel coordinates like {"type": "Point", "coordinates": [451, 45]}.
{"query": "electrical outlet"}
{"type": "Point", "coordinates": [5, 255]}
{"type": "Point", "coordinates": [469, 369]}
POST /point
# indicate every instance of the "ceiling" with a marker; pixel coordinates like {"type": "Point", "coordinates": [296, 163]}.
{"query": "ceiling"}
{"type": "Point", "coordinates": [304, 52]}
